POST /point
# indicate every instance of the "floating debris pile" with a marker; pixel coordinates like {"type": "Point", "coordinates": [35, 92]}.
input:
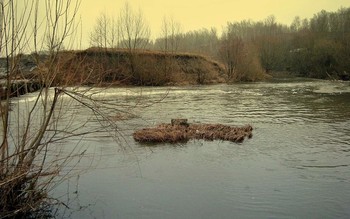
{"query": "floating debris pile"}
{"type": "Point", "coordinates": [181, 131]}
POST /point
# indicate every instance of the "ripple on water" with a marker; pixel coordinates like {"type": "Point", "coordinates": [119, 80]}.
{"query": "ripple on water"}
{"type": "Point", "coordinates": [295, 166]}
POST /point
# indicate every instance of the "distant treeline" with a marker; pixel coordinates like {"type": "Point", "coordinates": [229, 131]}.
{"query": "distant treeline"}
{"type": "Point", "coordinates": [317, 47]}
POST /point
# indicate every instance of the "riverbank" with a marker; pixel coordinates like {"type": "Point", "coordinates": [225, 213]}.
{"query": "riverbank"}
{"type": "Point", "coordinates": [110, 67]}
{"type": "Point", "coordinates": [18, 87]}
{"type": "Point", "coordinates": [103, 67]}
{"type": "Point", "coordinates": [147, 68]}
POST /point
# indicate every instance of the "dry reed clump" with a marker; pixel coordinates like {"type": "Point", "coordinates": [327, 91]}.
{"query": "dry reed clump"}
{"type": "Point", "coordinates": [20, 197]}
{"type": "Point", "coordinates": [181, 133]}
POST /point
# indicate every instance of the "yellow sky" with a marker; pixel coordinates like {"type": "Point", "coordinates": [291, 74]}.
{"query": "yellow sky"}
{"type": "Point", "coordinates": [196, 14]}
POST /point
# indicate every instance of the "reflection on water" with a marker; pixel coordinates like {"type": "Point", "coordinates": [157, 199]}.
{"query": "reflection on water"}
{"type": "Point", "coordinates": [295, 166]}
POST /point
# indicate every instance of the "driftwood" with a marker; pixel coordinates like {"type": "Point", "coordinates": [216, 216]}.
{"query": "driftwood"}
{"type": "Point", "coordinates": [182, 132]}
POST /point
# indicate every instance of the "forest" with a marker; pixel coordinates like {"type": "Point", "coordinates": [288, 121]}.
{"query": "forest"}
{"type": "Point", "coordinates": [317, 47]}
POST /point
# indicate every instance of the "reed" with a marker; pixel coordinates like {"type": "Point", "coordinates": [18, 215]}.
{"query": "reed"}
{"type": "Point", "coordinates": [170, 133]}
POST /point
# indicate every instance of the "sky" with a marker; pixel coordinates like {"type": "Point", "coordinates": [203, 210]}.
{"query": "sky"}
{"type": "Point", "coordinates": [197, 14]}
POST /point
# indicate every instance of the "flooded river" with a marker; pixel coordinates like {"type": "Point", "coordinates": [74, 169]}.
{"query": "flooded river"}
{"type": "Point", "coordinates": [295, 166]}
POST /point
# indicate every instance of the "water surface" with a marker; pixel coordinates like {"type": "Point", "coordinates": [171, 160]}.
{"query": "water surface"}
{"type": "Point", "coordinates": [295, 166]}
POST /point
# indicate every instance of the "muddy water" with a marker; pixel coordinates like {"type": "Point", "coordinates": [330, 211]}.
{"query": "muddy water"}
{"type": "Point", "coordinates": [295, 166]}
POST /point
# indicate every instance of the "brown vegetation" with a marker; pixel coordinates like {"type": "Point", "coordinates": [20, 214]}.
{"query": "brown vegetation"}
{"type": "Point", "coordinates": [106, 66]}
{"type": "Point", "coordinates": [181, 133]}
{"type": "Point", "coordinates": [240, 59]}
{"type": "Point", "coordinates": [29, 166]}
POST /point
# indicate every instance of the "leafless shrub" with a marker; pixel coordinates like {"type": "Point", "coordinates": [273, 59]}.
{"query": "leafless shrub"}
{"type": "Point", "coordinates": [30, 166]}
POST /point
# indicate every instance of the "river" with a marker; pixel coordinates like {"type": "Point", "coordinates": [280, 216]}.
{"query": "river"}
{"type": "Point", "coordinates": [295, 166]}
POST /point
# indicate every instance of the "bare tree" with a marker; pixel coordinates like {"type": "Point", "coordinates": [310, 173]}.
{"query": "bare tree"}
{"type": "Point", "coordinates": [165, 32]}
{"type": "Point", "coordinates": [169, 43]}
{"type": "Point", "coordinates": [240, 59]}
{"type": "Point", "coordinates": [99, 35]}
{"type": "Point", "coordinates": [114, 34]}
{"type": "Point", "coordinates": [134, 30]}
{"type": "Point", "coordinates": [28, 167]}
{"type": "Point", "coordinates": [170, 34]}
{"type": "Point", "coordinates": [135, 33]}
{"type": "Point", "coordinates": [230, 53]}
{"type": "Point", "coordinates": [105, 33]}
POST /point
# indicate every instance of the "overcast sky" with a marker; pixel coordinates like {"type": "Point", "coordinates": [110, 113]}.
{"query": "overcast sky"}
{"type": "Point", "coordinates": [197, 14]}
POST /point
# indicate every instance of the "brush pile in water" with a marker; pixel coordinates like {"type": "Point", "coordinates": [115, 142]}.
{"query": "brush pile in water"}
{"type": "Point", "coordinates": [182, 132]}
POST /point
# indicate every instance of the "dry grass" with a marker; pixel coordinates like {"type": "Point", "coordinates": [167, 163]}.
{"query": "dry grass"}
{"type": "Point", "coordinates": [22, 196]}
{"type": "Point", "coordinates": [181, 133]}
{"type": "Point", "coordinates": [103, 65]}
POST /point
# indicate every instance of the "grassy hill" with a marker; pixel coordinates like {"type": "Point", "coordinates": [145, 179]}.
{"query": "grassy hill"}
{"type": "Point", "coordinates": [150, 68]}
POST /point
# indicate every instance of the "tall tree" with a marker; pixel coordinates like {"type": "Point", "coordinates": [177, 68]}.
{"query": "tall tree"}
{"type": "Point", "coordinates": [99, 35]}
{"type": "Point", "coordinates": [105, 32]}
{"type": "Point", "coordinates": [170, 32]}
{"type": "Point", "coordinates": [133, 28]}
{"type": "Point", "coordinates": [135, 33]}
